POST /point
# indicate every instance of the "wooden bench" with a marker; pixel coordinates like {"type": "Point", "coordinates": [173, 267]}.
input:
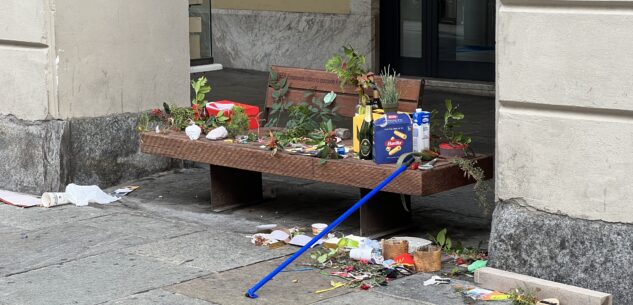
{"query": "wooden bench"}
{"type": "Point", "coordinates": [236, 169]}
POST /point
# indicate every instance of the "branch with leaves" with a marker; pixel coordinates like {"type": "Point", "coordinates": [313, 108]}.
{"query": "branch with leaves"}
{"type": "Point", "coordinates": [280, 89]}
{"type": "Point", "coordinates": [482, 188]}
{"type": "Point", "coordinates": [452, 118]}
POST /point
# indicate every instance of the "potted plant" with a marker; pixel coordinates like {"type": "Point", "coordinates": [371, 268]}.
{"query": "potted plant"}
{"type": "Point", "coordinates": [389, 95]}
{"type": "Point", "coordinates": [454, 142]}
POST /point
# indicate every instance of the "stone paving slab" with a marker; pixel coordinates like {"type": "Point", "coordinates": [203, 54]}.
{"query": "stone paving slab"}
{"type": "Point", "coordinates": [39, 217]}
{"type": "Point", "coordinates": [158, 297]}
{"type": "Point", "coordinates": [91, 280]}
{"type": "Point", "coordinates": [29, 250]}
{"type": "Point", "coordinates": [211, 251]}
{"type": "Point", "coordinates": [229, 288]}
{"type": "Point", "coordinates": [368, 298]}
{"type": "Point", "coordinates": [185, 195]}
{"type": "Point", "coordinates": [412, 287]}
{"type": "Point", "coordinates": [143, 226]}
{"type": "Point", "coordinates": [9, 229]}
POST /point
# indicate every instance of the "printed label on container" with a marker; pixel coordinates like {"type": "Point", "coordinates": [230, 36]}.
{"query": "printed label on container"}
{"type": "Point", "coordinates": [392, 138]}
{"type": "Point", "coordinates": [365, 148]}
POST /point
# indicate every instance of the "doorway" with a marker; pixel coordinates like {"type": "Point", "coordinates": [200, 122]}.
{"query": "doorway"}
{"type": "Point", "coordinates": [200, 48]}
{"type": "Point", "coordinates": [439, 38]}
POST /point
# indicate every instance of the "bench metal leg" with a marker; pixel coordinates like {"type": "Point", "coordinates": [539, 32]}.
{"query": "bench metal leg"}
{"type": "Point", "coordinates": [384, 214]}
{"type": "Point", "coordinates": [231, 188]}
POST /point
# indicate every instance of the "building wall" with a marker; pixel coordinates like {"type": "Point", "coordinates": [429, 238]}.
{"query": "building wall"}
{"type": "Point", "coordinates": [120, 56]}
{"type": "Point", "coordinates": [565, 87]}
{"type": "Point", "coordinates": [25, 49]}
{"type": "Point", "coordinates": [73, 76]}
{"type": "Point", "coordinates": [304, 34]}
{"type": "Point", "coordinates": [565, 141]}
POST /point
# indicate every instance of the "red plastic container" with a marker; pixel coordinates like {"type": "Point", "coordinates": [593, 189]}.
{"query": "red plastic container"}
{"type": "Point", "coordinates": [457, 150]}
{"type": "Point", "coordinates": [251, 111]}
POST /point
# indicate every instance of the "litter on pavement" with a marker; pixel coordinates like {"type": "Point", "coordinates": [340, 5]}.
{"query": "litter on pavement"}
{"type": "Point", "coordinates": [436, 280]}
{"type": "Point", "coordinates": [18, 199]}
{"type": "Point", "coordinates": [486, 295]}
{"type": "Point", "coordinates": [79, 195]}
{"type": "Point", "coordinates": [360, 262]}
{"type": "Point", "coordinates": [122, 192]}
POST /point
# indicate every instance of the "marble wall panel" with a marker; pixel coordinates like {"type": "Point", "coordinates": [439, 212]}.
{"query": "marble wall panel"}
{"type": "Point", "coordinates": [248, 39]}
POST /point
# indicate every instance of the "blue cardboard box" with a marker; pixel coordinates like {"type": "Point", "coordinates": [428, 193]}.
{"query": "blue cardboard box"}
{"type": "Point", "coordinates": [392, 137]}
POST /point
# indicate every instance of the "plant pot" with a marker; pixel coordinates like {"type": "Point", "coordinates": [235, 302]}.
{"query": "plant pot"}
{"type": "Point", "coordinates": [391, 248]}
{"type": "Point", "coordinates": [453, 151]}
{"type": "Point", "coordinates": [390, 109]}
{"type": "Point", "coordinates": [428, 259]}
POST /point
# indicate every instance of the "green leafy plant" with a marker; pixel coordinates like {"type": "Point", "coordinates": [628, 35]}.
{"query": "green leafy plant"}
{"type": "Point", "coordinates": [280, 89]}
{"type": "Point", "coordinates": [143, 122]}
{"type": "Point", "coordinates": [304, 118]}
{"type": "Point", "coordinates": [181, 117]}
{"type": "Point", "coordinates": [389, 95]}
{"type": "Point", "coordinates": [469, 254]}
{"type": "Point", "coordinates": [215, 121]}
{"type": "Point", "coordinates": [442, 241]}
{"type": "Point", "coordinates": [454, 271]}
{"type": "Point", "coordinates": [238, 124]}
{"type": "Point", "coordinates": [200, 88]}
{"type": "Point", "coordinates": [520, 296]}
{"type": "Point", "coordinates": [170, 117]}
{"type": "Point", "coordinates": [301, 121]}
{"type": "Point", "coordinates": [325, 140]}
{"type": "Point", "coordinates": [350, 70]}
{"type": "Point", "coordinates": [323, 256]}
{"type": "Point", "coordinates": [482, 188]}
{"type": "Point", "coordinates": [347, 67]}
{"type": "Point", "coordinates": [452, 118]}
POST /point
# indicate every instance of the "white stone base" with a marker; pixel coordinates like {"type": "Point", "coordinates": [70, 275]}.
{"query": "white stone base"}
{"type": "Point", "coordinates": [206, 68]}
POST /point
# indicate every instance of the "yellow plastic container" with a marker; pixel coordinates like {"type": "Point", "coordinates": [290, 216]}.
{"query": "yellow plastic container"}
{"type": "Point", "coordinates": [357, 120]}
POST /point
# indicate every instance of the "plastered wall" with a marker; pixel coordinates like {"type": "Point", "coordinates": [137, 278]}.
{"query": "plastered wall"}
{"type": "Point", "coordinates": [119, 56]}
{"type": "Point", "coordinates": [565, 107]}
{"type": "Point", "coordinates": [25, 58]}
{"type": "Point", "coordinates": [64, 59]}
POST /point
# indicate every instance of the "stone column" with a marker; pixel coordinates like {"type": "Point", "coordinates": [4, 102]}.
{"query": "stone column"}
{"type": "Point", "coordinates": [564, 143]}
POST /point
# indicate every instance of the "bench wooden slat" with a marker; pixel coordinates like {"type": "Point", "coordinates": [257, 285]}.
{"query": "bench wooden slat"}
{"type": "Point", "coordinates": [351, 172]}
{"type": "Point", "coordinates": [302, 81]}
{"type": "Point", "coordinates": [346, 104]}
{"type": "Point", "coordinates": [320, 80]}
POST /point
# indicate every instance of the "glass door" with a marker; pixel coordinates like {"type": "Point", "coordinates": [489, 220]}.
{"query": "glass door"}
{"type": "Point", "coordinates": [439, 38]}
{"type": "Point", "coordinates": [411, 31]}
{"type": "Point", "coordinates": [466, 39]}
{"type": "Point", "coordinates": [200, 32]}
{"type": "Point", "coordinates": [404, 35]}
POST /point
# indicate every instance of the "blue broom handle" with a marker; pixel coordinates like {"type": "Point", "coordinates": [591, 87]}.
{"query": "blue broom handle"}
{"type": "Point", "coordinates": [262, 282]}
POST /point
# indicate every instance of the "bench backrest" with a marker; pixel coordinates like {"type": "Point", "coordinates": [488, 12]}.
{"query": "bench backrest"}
{"type": "Point", "coordinates": [319, 82]}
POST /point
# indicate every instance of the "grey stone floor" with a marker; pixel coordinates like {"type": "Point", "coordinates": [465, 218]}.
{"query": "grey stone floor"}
{"type": "Point", "coordinates": [163, 245]}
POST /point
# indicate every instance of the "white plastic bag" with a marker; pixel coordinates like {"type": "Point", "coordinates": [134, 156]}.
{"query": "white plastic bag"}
{"type": "Point", "coordinates": [81, 195]}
